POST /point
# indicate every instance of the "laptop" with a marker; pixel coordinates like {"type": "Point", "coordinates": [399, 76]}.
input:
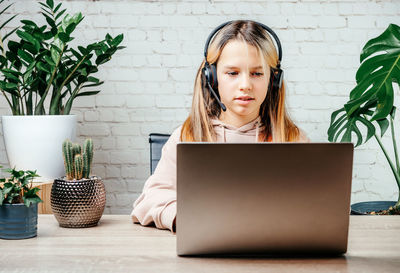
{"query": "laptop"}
{"type": "Point", "coordinates": [263, 198]}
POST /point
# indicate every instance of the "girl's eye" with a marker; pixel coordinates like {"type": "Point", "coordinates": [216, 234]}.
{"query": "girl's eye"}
{"type": "Point", "coordinates": [232, 73]}
{"type": "Point", "coordinates": [258, 74]}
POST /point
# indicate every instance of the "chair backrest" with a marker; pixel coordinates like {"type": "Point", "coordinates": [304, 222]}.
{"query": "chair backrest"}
{"type": "Point", "coordinates": [156, 141]}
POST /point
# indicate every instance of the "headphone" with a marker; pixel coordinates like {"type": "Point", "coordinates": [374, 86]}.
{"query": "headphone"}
{"type": "Point", "coordinates": [210, 70]}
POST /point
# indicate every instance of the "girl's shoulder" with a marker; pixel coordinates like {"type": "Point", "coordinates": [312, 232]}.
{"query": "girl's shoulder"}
{"type": "Point", "coordinates": [303, 136]}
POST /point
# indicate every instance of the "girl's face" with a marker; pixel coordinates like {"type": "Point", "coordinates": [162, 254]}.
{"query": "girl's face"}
{"type": "Point", "coordinates": [242, 83]}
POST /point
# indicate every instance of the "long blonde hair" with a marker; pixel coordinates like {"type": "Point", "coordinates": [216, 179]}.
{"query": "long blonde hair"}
{"type": "Point", "coordinates": [274, 117]}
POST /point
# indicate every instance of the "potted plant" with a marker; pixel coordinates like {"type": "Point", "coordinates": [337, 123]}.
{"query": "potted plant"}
{"type": "Point", "coordinates": [39, 69]}
{"type": "Point", "coordinates": [370, 104]}
{"type": "Point", "coordinates": [18, 205]}
{"type": "Point", "coordinates": [78, 200]}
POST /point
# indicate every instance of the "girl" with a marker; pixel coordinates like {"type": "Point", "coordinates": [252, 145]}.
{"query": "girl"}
{"type": "Point", "coordinates": [238, 97]}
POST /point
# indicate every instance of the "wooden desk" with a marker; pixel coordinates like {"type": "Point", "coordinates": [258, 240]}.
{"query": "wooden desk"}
{"type": "Point", "coordinates": [117, 245]}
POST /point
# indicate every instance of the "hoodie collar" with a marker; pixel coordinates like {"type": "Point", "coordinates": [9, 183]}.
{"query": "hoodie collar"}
{"type": "Point", "coordinates": [244, 129]}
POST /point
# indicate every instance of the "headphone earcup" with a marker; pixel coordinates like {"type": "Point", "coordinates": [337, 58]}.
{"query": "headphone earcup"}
{"type": "Point", "coordinates": [276, 79]}
{"type": "Point", "coordinates": [213, 77]}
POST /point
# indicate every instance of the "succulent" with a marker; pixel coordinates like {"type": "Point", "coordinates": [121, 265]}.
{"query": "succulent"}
{"type": "Point", "coordinates": [77, 161]}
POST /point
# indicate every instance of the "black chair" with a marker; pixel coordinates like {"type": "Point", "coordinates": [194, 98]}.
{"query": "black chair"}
{"type": "Point", "coordinates": [156, 141]}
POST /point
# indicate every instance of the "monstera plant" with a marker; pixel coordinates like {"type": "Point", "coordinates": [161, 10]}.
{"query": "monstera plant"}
{"type": "Point", "coordinates": [371, 100]}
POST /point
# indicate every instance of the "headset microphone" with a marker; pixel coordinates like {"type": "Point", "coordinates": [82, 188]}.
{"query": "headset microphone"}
{"type": "Point", "coordinates": [215, 95]}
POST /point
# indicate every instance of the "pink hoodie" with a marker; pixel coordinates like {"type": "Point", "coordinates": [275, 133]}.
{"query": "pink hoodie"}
{"type": "Point", "coordinates": [157, 203]}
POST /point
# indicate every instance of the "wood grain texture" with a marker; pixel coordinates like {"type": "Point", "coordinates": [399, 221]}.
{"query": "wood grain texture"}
{"type": "Point", "coordinates": [117, 245]}
{"type": "Point", "coordinates": [44, 194]}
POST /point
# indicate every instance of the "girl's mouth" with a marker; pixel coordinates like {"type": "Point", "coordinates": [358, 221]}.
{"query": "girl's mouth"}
{"type": "Point", "coordinates": [244, 100]}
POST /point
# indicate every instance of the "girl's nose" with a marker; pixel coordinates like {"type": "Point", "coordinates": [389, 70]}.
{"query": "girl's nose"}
{"type": "Point", "coordinates": [245, 83]}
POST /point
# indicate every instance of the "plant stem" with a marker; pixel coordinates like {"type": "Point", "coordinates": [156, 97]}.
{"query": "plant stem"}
{"type": "Point", "coordinates": [8, 101]}
{"type": "Point", "coordinates": [66, 80]}
{"type": "Point", "coordinates": [394, 146]}
{"type": "Point", "coordinates": [50, 81]}
{"type": "Point", "coordinates": [2, 46]}
{"type": "Point", "coordinates": [396, 175]}
{"type": "Point", "coordinates": [21, 101]}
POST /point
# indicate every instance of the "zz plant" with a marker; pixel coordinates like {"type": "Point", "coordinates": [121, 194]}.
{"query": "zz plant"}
{"type": "Point", "coordinates": [18, 188]}
{"type": "Point", "coordinates": [371, 100]}
{"type": "Point", "coordinates": [77, 161]}
{"type": "Point", "coordinates": [41, 65]}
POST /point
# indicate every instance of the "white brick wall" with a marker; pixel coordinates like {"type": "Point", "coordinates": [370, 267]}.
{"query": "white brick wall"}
{"type": "Point", "coordinates": [148, 85]}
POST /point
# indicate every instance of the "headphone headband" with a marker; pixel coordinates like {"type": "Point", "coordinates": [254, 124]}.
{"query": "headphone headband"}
{"type": "Point", "coordinates": [269, 30]}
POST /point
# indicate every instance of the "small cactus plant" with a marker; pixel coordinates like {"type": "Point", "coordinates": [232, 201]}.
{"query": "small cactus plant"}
{"type": "Point", "coordinates": [77, 161]}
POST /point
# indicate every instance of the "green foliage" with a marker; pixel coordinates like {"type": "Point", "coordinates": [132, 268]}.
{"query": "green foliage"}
{"type": "Point", "coordinates": [18, 188]}
{"type": "Point", "coordinates": [68, 159]}
{"type": "Point", "coordinates": [373, 95]}
{"type": "Point", "coordinates": [78, 165]}
{"type": "Point", "coordinates": [371, 100]}
{"type": "Point", "coordinates": [77, 162]}
{"type": "Point", "coordinates": [87, 156]}
{"type": "Point", "coordinates": [41, 63]}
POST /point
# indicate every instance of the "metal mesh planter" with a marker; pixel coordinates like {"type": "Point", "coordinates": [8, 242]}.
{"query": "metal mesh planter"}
{"type": "Point", "coordinates": [78, 203]}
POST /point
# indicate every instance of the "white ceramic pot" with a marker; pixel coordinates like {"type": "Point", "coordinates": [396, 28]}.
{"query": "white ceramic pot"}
{"type": "Point", "coordinates": [35, 143]}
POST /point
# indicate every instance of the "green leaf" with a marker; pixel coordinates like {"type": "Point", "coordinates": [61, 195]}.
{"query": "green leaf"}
{"type": "Point", "coordinates": [70, 28]}
{"type": "Point", "coordinates": [49, 60]}
{"type": "Point", "coordinates": [10, 76]}
{"type": "Point", "coordinates": [25, 56]}
{"type": "Point", "coordinates": [93, 79]}
{"type": "Point", "coordinates": [29, 38]}
{"type": "Point", "coordinates": [29, 47]}
{"type": "Point", "coordinates": [44, 5]}
{"type": "Point", "coordinates": [89, 93]}
{"type": "Point", "coordinates": [384, 125]}
{"type": "Point", "coordinates": [83, 50]}
{"type": "Point", "coordinates": [94, 84]}
{"type": "Point", "coordinates": [49, 20]}
{"type": "Point", "coordinates": [117, 40]}
{"type": "Point", "coordinates": [76, 54]}
{"type": "Point", "coordinates": [10, 33]}
{"type": "Point", "coordinates": [31, 200]}
{"type": "Point", "coordinates": [103, 58]}
{"type": "Point", "coordinates": [55, 56]}
{"type": "Point", "coordinates": [47, 35]}
{"type": "Point", "coordinates": [29, 23]}
{"type": "Point", "coordinates": [63, 37]}
{"type": "Point", "coordinates": [6, 8]}
{"type": "Point", "coordinates": [56, 9]}
{"type": "Point", "coordinates": [15, 73]}
{"type": "Point", "coordinates": [12, 90]}
{"type": "Point", "coordinates": [348, 125]}
{"type": "Point", "coordinates": [376, 73]}
{"type": "Point", "coordinates": [60, 14]}
{"type": "Point", "coordinates": [43, 67]}
{"type": "Point", "coordinates": [373, 95]}
{"type": "Point", "coordinates": [50, 3]}
{"type": "Point", "coordinates": [6, 22]}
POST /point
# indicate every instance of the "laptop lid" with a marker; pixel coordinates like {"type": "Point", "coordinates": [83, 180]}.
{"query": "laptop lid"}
{"type": "Point", "coordinates": [269, 198]}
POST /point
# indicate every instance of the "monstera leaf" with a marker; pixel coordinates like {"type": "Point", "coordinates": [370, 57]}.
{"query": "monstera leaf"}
{"type": "Point", "coordinates": [372, 98]}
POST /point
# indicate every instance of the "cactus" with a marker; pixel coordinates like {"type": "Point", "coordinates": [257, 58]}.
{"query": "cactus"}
{"type": "Point", "coordinates": [87, 157]}
{"type": "Point", "coordinates": [76, 149]}
{"type": "Point", "coordinates": [68, 159]}
{"type": "Point", "coordinates": [77, 162]}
